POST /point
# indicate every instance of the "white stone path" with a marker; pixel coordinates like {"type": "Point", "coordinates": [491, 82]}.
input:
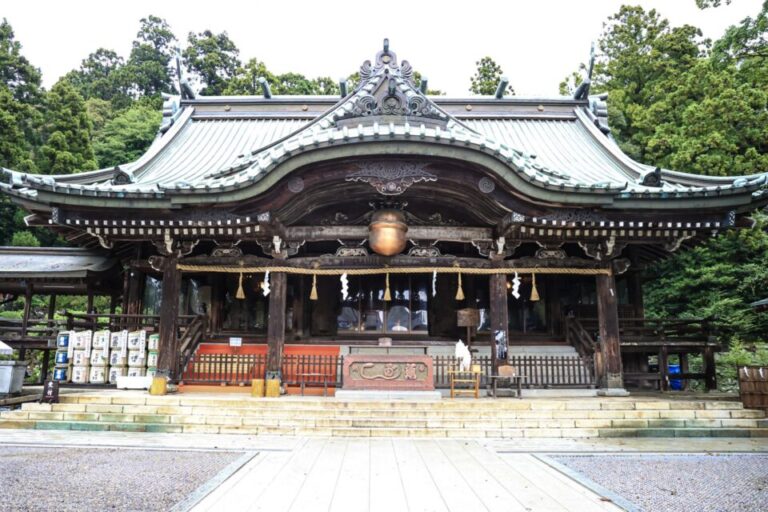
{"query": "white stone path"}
{"type": "Point", "coordinates": [359, 475]}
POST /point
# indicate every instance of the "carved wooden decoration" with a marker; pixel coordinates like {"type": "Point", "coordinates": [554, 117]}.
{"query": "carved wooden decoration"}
{"type": "Point", "coordinates": [391, 178]}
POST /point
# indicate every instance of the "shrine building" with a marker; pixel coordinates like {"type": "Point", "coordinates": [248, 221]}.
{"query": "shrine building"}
{"type": "Point", "coordinates": [259, 232]}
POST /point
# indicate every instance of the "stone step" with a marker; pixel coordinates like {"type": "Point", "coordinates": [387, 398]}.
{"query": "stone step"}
{"type": "Point", "coordinates": [378, 421]}
{"type": "Point", "coordinates": [458, 414]}
{"type": "Point", "coordinates": [379, 431]}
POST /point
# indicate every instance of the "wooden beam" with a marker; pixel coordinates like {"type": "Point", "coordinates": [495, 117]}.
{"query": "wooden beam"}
{"type": "Point", "coordinates": [168, 358]}
{"type": "Point", "coordinates": [444, 233]}
{"type": "Point", "coordinates": [608, 321]}
{"type": "Point", "coordinates": [499, 320]}
{"type": "Point", "coordinates": [276, 324]}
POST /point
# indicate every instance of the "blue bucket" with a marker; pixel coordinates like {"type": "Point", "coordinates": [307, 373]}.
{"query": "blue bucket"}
{"type": "Point", "coordinates": [62, 340]}
{"type": "Point", "coordinates": [62, 358]}
{"type": "Point", "coordinates": [675, 384]}
{"type": "Point", "coordinates": [60, 374]}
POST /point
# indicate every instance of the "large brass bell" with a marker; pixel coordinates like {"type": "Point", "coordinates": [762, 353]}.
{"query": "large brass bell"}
{"type": "Point", "coordinates": [386, 232]}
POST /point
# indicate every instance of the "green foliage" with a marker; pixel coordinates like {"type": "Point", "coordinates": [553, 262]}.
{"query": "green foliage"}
{"type": "Point", "coordinates": [15, 149]}
{"type": "Point", "coordinates": [24, 239]}
{"type": "Point", "coordinates": [718, 279]}
{"type": "Point", "coordinates": [66, 132]}
{"type": "Point", "coordinates": [21, 77]}
{"type": "Point", "coordinates": [739, 354]}
{"type": "Point", "coordinates": [486, 78]}
{"type": "Point", "coordinates": [246, 82]}
{"type": "Point", "coordinates": [126, 137]}
{"type": "Point", "coordinates": [214, 58]}
{"type": "Point", "coordinates": [100, 77]}
{"type": "Point", "coordinates": [149, 69]}
{"type": "Point", "coordinates": [675, 103]}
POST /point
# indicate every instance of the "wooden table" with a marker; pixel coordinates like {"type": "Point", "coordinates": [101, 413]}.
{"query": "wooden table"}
{"type": "Point", "coordinates": [465, 377]}
{"type": "Point", "coordinates": [303, 381]}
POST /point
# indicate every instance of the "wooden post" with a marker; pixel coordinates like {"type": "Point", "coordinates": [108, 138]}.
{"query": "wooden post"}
{"type": "Point", "coordinates": [684, 368]}
{"type": "Point", "coordinates": [664, 367]}
{"type": "Point", "coordinates": [27, 310]}
{"type": "Point", "coordinates": [635, 289]}
{"type": "Point", "coordinates": [276, 324]}
{"type": "Point", "coordinates": [168, 358]}
{"type": "Point", "coordinates": [710, 373]}
{"type": "Point", "coordinates": [608, 321]}
{"type": "Point", "coordinates": [499, 319]}
{"type": "Point", "coordinates": [47, 353]}
{"type": "Point", "coordinates": [132, 303]}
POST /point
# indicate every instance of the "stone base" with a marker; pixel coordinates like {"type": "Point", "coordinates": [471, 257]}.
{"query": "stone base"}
{"type": "Point", "coordinates": [612, 392]}
{"type": "Point", "coordinates": [352, 394]}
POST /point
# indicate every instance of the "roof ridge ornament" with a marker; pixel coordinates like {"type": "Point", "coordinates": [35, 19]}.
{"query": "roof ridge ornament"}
{"type": "Point", "coordinates": [387, 88]}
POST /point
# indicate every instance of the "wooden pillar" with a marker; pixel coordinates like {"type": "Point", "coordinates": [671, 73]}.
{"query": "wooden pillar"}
{"type": "Point", "coordinates": [27, 310]}
{"type": "Point", "coordinates": [298, 307]}
{"type": "Point", "coordinates": [276, 323]}
{"type": "Point", "coordinates": [168, 358]}
{"type": "Point", "coordinates": [635, 291]}
{"type": "Point", "coordinates": [608, 320]}
{"type": "Point", "coordinates": [664, 367]}
{"type": "Point", "coordinates": [710, 372]}
{"type": "Point", "coordinates": [132, 302]}
{"type": "Point", "coordinates": [45, 363]}
{"type": "Point", "coordinates": [44, 366]}
{"type": "Point", "coordinates": [499, 320]}
{"type": "Point", "coordinates": [684, 368]}
{"type": "Point", "coordinates": [218, 290]}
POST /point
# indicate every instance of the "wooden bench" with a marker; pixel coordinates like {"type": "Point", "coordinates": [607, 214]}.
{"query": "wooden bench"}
{"type": "Point", "coordinates": [507, 373]}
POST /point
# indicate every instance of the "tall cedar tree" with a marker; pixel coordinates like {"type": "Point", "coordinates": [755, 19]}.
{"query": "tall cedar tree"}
{"type": "Point", "coordinates": [214, 58]}
{"type": "Point", "coordinates": [67, 132]}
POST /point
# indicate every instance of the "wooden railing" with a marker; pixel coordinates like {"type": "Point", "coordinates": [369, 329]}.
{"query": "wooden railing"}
{"type": "Point", "coordinates": [15, 331]}
{"type": "Point", "coordinates": [240, 369]}
{"type": "Point", "coordinates": [236, 369]}
{"type": "Point", "coordinates": [118, 322]}
{"type": "Point", "coordinates": [655, 331]}
{"type": "Point", "coordinates": [578, 337]}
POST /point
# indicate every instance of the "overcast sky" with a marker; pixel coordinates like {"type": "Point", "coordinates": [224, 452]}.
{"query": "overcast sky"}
{"type": "Point", "coordinates": [536, 42]}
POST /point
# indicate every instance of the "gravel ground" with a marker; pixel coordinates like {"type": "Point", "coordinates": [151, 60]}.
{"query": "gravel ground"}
{"type": "Point", "coordinates": [680, 483]}
{"type": "Point", "coordinates": [101, 479]}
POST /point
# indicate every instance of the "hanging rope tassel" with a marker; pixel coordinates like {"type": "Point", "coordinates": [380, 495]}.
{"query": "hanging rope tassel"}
{"type": "Point", "coordinates": [534, 291]}
{"type": "Point", "coordinates": [313, 293]}
{"type": "Point", "coordinates": [387, 294]}
{"type": "Point", "coordinates": [459, 290]}
{"type": "Point", "coordinates": [240, 292]}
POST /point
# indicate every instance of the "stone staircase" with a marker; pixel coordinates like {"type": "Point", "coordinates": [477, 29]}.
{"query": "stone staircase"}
{"type": "Point", "coordinates": [307, 416]}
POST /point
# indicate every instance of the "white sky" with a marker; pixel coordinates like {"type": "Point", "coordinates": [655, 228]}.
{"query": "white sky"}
{"type": "Point", "coordinates": [536, 42]}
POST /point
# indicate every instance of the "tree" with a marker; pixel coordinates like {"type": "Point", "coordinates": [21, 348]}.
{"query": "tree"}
{"type": "Point", "coordinates": [19, 76]}
{"type": "Point", "coordinates": [15, 150]}
{"type": "Point", "coordinates": [126, 137]}
{"type": "Point", "coordinates": [720, 279]}
{"type": "Point", "coordinates": [214, 58]}
{"type": "Point", "coordinates": [66, 132]}
{"type": "Point", "coordinates": [99, 76]}
{"type": "Point", "coordinates": [149, 70]}
{"type": "Point", "coordinates": [486, 78]}
{"type": "Point", "coordinates": [25, 239]}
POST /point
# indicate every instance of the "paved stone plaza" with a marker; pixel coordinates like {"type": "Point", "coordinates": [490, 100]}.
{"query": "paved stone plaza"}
{"type": "Point", "coordinates": [240, 472]}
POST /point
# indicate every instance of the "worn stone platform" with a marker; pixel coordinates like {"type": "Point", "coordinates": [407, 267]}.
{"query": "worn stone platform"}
{"type": "Point", "coordinates": [316, 416]}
